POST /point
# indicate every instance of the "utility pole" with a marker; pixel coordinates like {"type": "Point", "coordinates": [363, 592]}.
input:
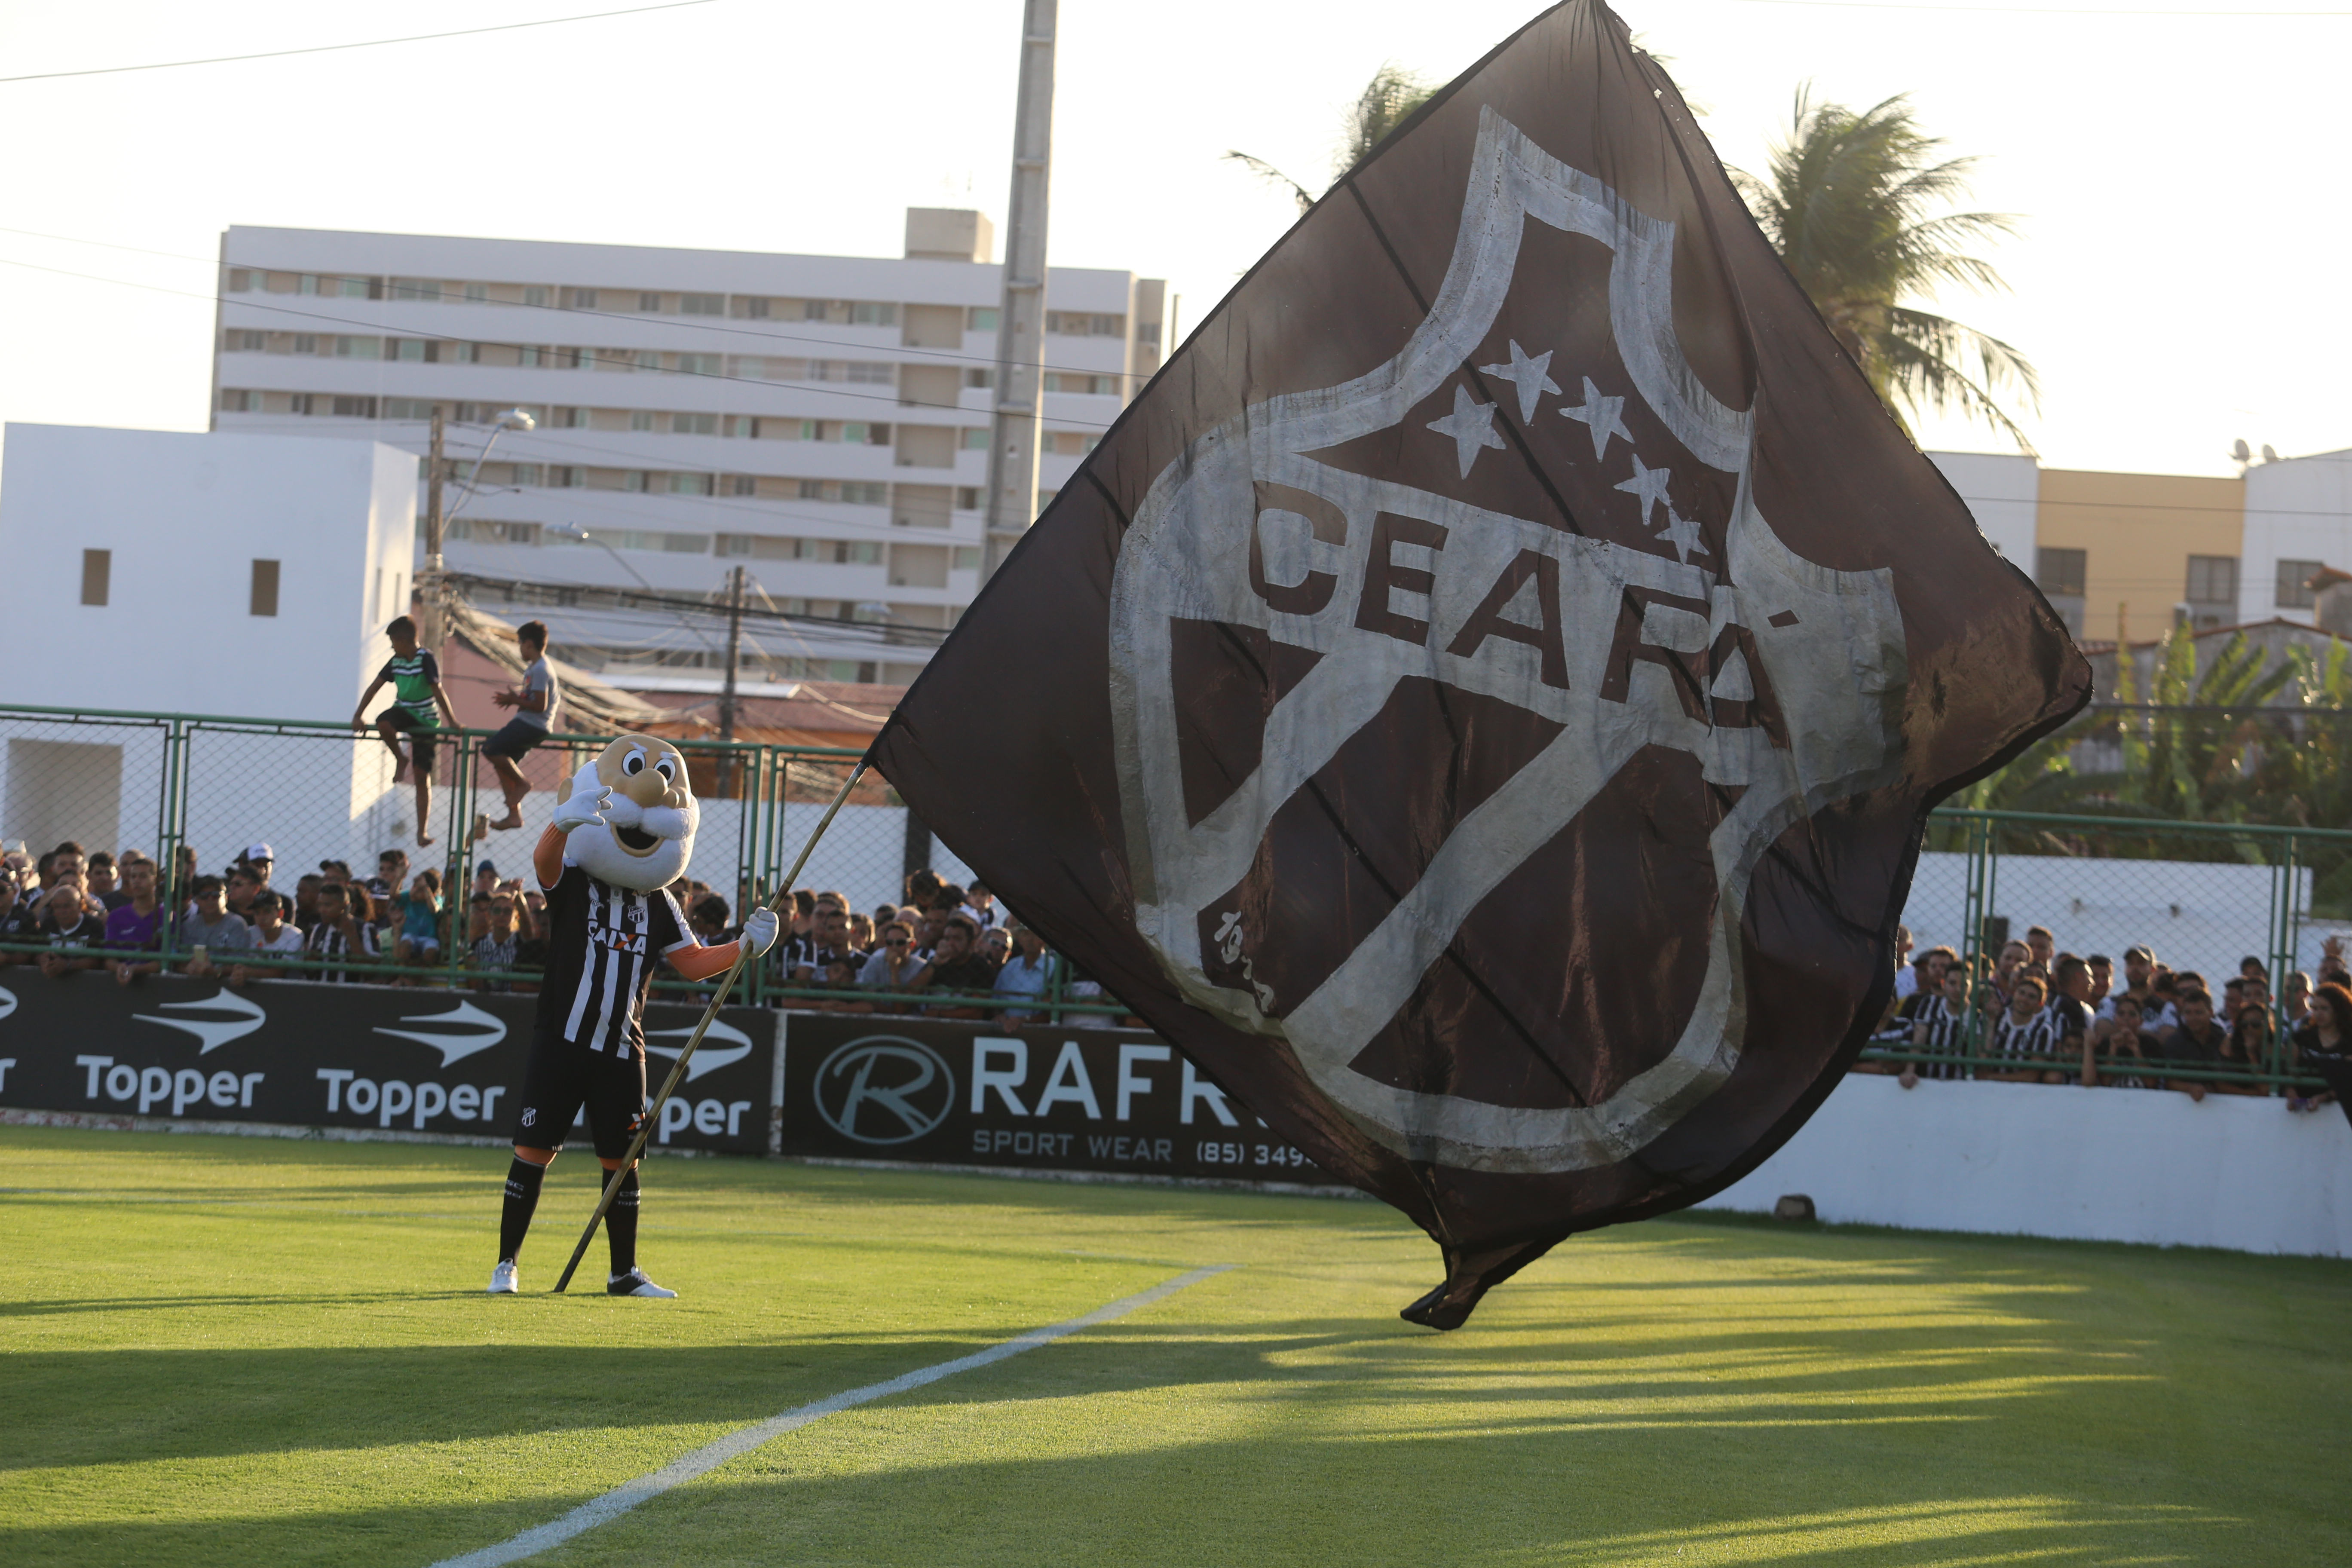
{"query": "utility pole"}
{"type": "Point", "coordinates": [1021, 321]}
{"type": "Point", "coordinates": [726, 681]}
{"type": "Point", "coordinates": [428, 582]}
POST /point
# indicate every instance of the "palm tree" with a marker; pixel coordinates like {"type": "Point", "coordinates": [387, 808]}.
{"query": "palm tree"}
{"type": "Point", "coordinates": [1847, 204]}
{"type": "Point", "coordinates": [1387, 101]}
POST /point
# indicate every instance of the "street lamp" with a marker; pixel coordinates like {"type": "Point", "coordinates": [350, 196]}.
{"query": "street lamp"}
{"type": "Point", "coordinates": [432, 583]}
{"type": "Point", "coordinates": [572, 533]}
{"type": "Point", "coordinates": [512, 419]}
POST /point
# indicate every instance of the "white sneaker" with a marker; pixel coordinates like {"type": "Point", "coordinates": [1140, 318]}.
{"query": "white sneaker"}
{"type": "Point", "coordinates": [635, 1283]}
{"type": "Point", "coordinates": [502, 1279]}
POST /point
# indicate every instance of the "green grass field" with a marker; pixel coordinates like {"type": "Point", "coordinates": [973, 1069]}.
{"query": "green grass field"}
{"type": "Point", "coordinates": [261, 1353]}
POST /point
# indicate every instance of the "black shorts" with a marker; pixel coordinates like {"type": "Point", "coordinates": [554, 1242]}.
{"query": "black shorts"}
{"type": "Point", "coordinates": [421, 737]}
{"type": "Point", "coordinates": [513, 739]}
{"type": "Point", "coordinates": [563, 1078]}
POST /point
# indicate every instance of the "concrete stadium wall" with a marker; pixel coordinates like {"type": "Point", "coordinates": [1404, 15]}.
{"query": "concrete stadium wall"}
{"type": "Point", "coordinates": [2081, 1164]}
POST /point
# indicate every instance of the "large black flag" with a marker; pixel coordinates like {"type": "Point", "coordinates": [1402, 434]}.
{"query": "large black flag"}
{"type": "Point", "coordinates": [1481, 700]}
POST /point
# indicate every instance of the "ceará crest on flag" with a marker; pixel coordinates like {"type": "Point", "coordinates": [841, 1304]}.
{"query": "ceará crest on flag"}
{"type": "Point", "coordinates": [1481, 700]}
{"type": "Point", "coordinates": [1780, 679]}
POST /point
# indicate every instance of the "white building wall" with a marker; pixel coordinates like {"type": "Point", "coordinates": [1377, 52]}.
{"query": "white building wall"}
{"type": "Point", "coordinates": [2298, 509]}
{"type": "Point", "coordinates": [2003, 493]}
{"type": "Point", "coordinates": [183, 517]}
{"type": "Point", "coordinates": [2081, 1164]}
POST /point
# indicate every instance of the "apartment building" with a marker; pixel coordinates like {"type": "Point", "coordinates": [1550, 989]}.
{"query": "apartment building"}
{"type": "Point", "coordinates": [2126, 555]}
{"type": "Point", "coordinates": [821, 421]}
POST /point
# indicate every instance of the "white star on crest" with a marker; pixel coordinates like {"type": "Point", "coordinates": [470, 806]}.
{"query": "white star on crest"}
{"type": "Point", "coordinates": [1603, 414]}
{"type": "Point", "coordinates": [1680, 531]}
{"type": "Point", "coordinates": [1472, 426]}
{"type": "Point", "coordinates": [1648, 486]}
{"type": "Point", "coordinates": [1527, 376]}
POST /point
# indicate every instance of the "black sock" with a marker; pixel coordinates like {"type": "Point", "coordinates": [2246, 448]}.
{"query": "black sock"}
{"type": "Point", "coordinates": [621, 1225]}
{"type": "Point", "coordinates": [523, 1180]}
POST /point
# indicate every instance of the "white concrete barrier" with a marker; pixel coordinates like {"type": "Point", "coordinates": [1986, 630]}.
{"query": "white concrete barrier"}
{"type": "Point", "coordinates": [2083, 1165]}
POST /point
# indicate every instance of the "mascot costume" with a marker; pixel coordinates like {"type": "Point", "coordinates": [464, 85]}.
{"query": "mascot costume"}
{"type": "Point", "coordinates": [623, 830]}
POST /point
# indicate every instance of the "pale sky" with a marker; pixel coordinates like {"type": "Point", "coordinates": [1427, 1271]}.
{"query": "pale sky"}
{"type": "Point", "coordinates": [2179, 283]}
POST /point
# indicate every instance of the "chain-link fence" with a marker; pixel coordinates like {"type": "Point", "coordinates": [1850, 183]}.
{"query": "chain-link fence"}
{"type": "Point", "coordinates": [435, 839]}
{"type": "Point", "coordinates": [2236, 912]}
{"type": "Point", "coordinates": [2210, 903]}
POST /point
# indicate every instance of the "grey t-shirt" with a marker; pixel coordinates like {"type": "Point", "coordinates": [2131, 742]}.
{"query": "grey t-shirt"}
{"type": "Point", "coordinates": [539, 678]}
{"type": "Point", "coordinates": [228, 934]}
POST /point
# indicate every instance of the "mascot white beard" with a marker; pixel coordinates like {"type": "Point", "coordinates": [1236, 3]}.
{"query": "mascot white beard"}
{"type": "Point", "coordinates": [628, 817]}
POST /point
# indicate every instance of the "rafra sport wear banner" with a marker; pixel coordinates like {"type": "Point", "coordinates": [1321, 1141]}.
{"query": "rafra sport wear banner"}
{"type": "Point", "coordinates": [307, 1055]}
{"type": "Point", "coordinates": [1058, 1097]}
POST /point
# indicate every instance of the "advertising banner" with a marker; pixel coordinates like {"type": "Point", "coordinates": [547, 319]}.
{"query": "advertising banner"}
{"type": "Point", "coordinates": [1036, 1097]}
{"type": "Point", "coordinates": [310, 1055]}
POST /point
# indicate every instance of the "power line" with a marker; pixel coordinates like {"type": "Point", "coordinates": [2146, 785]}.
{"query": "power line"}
{"type": "Point", "coordinates": [368, 44]}
{"type": "Point", "coordinates": [586, 596]}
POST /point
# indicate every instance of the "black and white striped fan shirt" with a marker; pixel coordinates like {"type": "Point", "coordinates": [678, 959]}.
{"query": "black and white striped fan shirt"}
{"type": "Point", "coordinates": [1948, 1037]}
{"type": "Point", "coordinates": [604, 944]}
{"type": "Point", "coordinates": [2037, 1037]}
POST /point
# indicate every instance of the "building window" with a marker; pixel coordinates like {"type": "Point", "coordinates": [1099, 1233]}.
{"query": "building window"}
{"type": "Point", "coordinates": [742, 485]}
{"type": "Point", "coordinates": [96, 573]}
{"type": "Point", "coordinates": [866, 313]}
{"type": "Point", "coordinates": [240, 279]}
{"type": "Point", "coordinates": [535, 295]}
{"type": "Point", "coordinates": [966, 558]}
{"type": "Point", "coordinates": [2293, 591]}
{"type": "Point", "coordinates": [689, 484]}
{"type": "Point", "coordinates": [967, 496]}
{"type": "Point", "coordinates": [1085, 324]}
{"type": "Point", "coordinates": [698, 365]}
{"type": "Point", "coordinates": [529, 474]}
{"type": "Point", "coordinates": [859, 494]}
{"type": "Point", "coordinates": [982, 379]}
{"type": "Point", "coordinates": [641, 419]}
{"type": "Point", "coordinates": [354, 407]}
{"type": "Point", "coordinates": [413, 289]}
{"type": "Point", "coordinates": [975, 439]}
{"type": "Point", "coordinates": [240, 402]}
{"type": "Point", "coordinates": [757, 309]}
{"type": "Point", "coordinates": [2060, 571]}
{"type": "Point", "coordinates": [407, 408]}
{"type": "Point", "coordinates": [694, 423]}
{"type": "Point", "coordinates": [298, 402]}
{"type": "Point", "coordinates": [649, 303]}
{"type": "Point", "coordinates": [647, 360]}
{"type": "Point", "coordinates": [358, 348]}
{"type": "Point", "coordinates": [580, 298]}
{"type": "Point", "coordinates": [263, 600]}
{"type": "Point", "coordinates": [702, 304]}
{"type": "Point", "coordinates": [981, 319]}
{"type": "Point", "coordinates": [2213, 580]}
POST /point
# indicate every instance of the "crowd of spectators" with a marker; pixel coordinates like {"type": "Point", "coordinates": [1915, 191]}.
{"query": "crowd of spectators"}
{"type": "Point", "coordinates": [945, 951]}
{"type": "Point", "coordinates": [2037, 1014]}
{"type": "Point", "coordinates": [70, 912]}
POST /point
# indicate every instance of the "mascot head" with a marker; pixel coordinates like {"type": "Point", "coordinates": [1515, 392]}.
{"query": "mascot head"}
{"type": "Point", "coordinates": [647, 834]}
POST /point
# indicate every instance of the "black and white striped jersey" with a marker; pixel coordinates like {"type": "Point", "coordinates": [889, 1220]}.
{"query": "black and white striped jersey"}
{"type": "Point", "coordinates": [604, 945]}
{"type": "Point", "coordinates": [2037, 1037]}
{"type": "Point", "coordinates": [1946, 1036]}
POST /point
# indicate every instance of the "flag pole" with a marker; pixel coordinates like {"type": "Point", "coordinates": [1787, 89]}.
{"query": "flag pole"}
{"type": "Point", "coordinates": [717, 1000]}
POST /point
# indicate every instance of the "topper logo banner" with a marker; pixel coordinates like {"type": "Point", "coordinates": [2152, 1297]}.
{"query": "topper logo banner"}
{"type": "Point", "coordinates": [1783, 676]}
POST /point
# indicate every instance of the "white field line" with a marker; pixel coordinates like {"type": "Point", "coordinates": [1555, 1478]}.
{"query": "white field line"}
{"type": "Point", "coordinates": [744, 1439]}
